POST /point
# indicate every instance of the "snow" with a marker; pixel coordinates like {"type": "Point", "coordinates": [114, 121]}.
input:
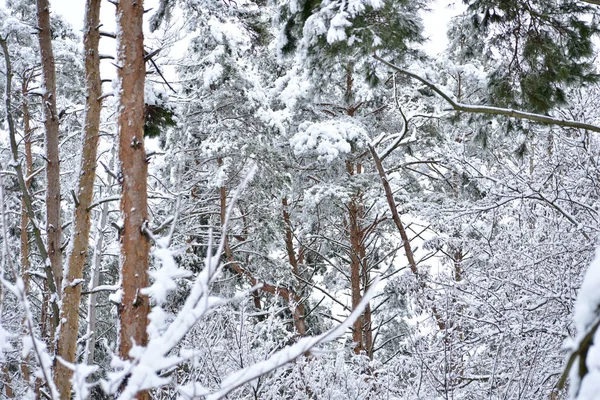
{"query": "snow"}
{"type": "Point", "coordinates": [164, 277]}
{"type": "Point", "coordinates": [212, 74]}
{"type": "Point", "coordinates": [292, 88]}
{"type": "Point", "coordinates": [587, 305]}
{"type": "Point", "coordinates": [586, 315]}
{"type": "Point", "coordinates": [230, 33]}
{"type": "Point", "coordinates": [337, 28]}
{"type": "Point", "coordinates": [5, 344]}
{"type": "Point", "coordinates": [330, 139]}
{"type": "Point", "coordinates": [116, 297]}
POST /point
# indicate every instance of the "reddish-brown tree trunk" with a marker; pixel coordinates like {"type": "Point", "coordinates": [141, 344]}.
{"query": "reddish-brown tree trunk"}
{"type": "Point", "coordinates": [51, 122]}
{"type": "Point", "coordinates": [8, 390]}
{"type": "Point", "coordinates": [69, 313]}
{"type": "Point", "coordinates": [367, 315]}
{"type": "Point", "coordinates": [298, 307]}
{"type": "Point", "coordinates": [293, 300]}
{"type": "Point", "coordinates": [135, 246]}
{"type": "Point", "coordinates": [410, 257]}
{"type": "Point", "coordinates": [356, 242]}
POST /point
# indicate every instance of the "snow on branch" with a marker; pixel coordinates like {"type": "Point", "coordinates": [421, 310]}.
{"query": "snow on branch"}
{"type": "Point", "coordinates": [507, 112]}
{"type": "Point", "coordinates": [583, 364]}
{"type": "Point", "coordinates": [142, 372]}
{"type": "Point", "coordinates": [30, 342]}
{"type": "Point", "coordinates": [280, 358]}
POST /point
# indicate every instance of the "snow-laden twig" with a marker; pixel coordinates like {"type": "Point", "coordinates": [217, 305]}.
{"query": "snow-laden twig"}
{"type": "Point", "coordinates": [18, 290]}
{"type": "Point", "coordinates": [142, 371]}
{"type": "Point", "coordinates": [285, 355]}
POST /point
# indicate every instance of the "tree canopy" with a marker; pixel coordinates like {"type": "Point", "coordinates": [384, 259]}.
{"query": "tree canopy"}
{"type": "Point", "coordinates": [297, 200]}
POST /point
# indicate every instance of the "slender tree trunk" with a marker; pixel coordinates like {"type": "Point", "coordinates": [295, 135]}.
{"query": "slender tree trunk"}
{"type": "Point", "coordinates": [25, 265]}
{"type": "Point", "coordinates": [355, 273]}
{"type": "Point", "coordinates": [51, 122]}
{"type": "Point", "coordinates": [78, 249]}
{"type": "Point", "coordinates": [367, 323]}
{"type": "Point", "coordinates": [8, 390]}
{"type": "Point", "coordinates": [90, 344]}
{"type": "Point", "coordinates": [135, 245]}
{"type": "Point", "coordinates": [12, 133]}
{"type": "Point", "coordinates": [293, 300]}
{"type": "Point", "coordinates": [297, 308]}
{"type": "Point", "coordinates": [359, 277]}
{"type": "Point", "coordinates": [356, 241]}
{"type": "Point", "coordinates": [403, 235]}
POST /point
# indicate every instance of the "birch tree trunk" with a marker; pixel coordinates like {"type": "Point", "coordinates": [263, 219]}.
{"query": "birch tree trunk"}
{"type": "Point", "coordinates": [69, 313]}
{"type": "Point", "coordinates": [135, 246]}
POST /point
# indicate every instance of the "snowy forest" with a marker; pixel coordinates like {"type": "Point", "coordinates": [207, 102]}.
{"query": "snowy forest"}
{"type": "Point", "coordinates": [296, 199]}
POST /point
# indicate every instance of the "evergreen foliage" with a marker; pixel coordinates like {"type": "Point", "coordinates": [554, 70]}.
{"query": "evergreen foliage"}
{"type": "Point", "coordinates": [534, 49]}
{"type": "Point", "coordinates": [473, 230]}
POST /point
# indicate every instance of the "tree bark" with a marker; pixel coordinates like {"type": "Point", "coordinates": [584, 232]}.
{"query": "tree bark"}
{"type": "Point", "coordinates": [298, 308]}
{"type": "Point", "coordinates": [51, 122]}
{"type": "Point", "coordinates": [135, 245]}
{"type": "Point", "coordinates": [7, 388]}
{"type": "Point", "coordinates": [25, 265]}
{"type": "Point", "coordinates": [77, 254]}
{"type": "Point", "coordinates": [289, 295]}
{"type": "Point", "coordinates": [356, 242]}
{"type": "Point", "coordinates": [441, 323]}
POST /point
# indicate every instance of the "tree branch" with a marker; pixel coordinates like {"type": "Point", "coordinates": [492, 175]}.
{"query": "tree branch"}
{"type": "Point", "coordinates": [12, 133]}
{"type": "Point", "coordinates": [507, 112]}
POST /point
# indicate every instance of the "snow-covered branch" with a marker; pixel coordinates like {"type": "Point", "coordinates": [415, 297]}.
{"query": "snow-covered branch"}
{"type": "Point", "coordinates": [507, 112]}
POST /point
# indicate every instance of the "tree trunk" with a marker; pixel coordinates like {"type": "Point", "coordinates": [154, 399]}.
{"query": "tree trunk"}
{"type": "Point", "coordinates": [53, 227]}
{"type": "Point", "coordinates": [297, 308]}
{"type": "Point", "coordinates": [8, 390]}
{"type": "Point", "coordinates": [135, 245]}
{"type": "Point", "coordinates": [25, 265]}
{"type": "Point", "coordinates": [362, 333]}
{"type": "Point", "coordinates": [356, 242]}
{"type": "Point", "coordinates": [71, 297]}
{"type": "Point", "coordinates": [367, 323]}
{"type": "Point", "coordinates": [12, 133]}
{"type": "Point", "coordinates": [90, 344]}
{"type": "Point", "coordinates": [410, 257]}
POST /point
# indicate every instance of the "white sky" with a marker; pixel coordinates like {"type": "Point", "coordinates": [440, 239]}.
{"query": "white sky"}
{"type": "Point", "coordinates": [435, 21]}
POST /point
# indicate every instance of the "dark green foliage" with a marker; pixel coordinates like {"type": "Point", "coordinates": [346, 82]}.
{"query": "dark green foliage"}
{"type": "Point", "coordinates": [522, 150]}
{"type": "Point", "coordinates": [294, 24]}
{"type": "Point", "coordinates": [157, 118]}
{"type": "Point", "coordinates": [391, 29]}
{"type": "Point", "coordinates": [535, 49]}
{"type": "Point", "coordinates": [162, 14]}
